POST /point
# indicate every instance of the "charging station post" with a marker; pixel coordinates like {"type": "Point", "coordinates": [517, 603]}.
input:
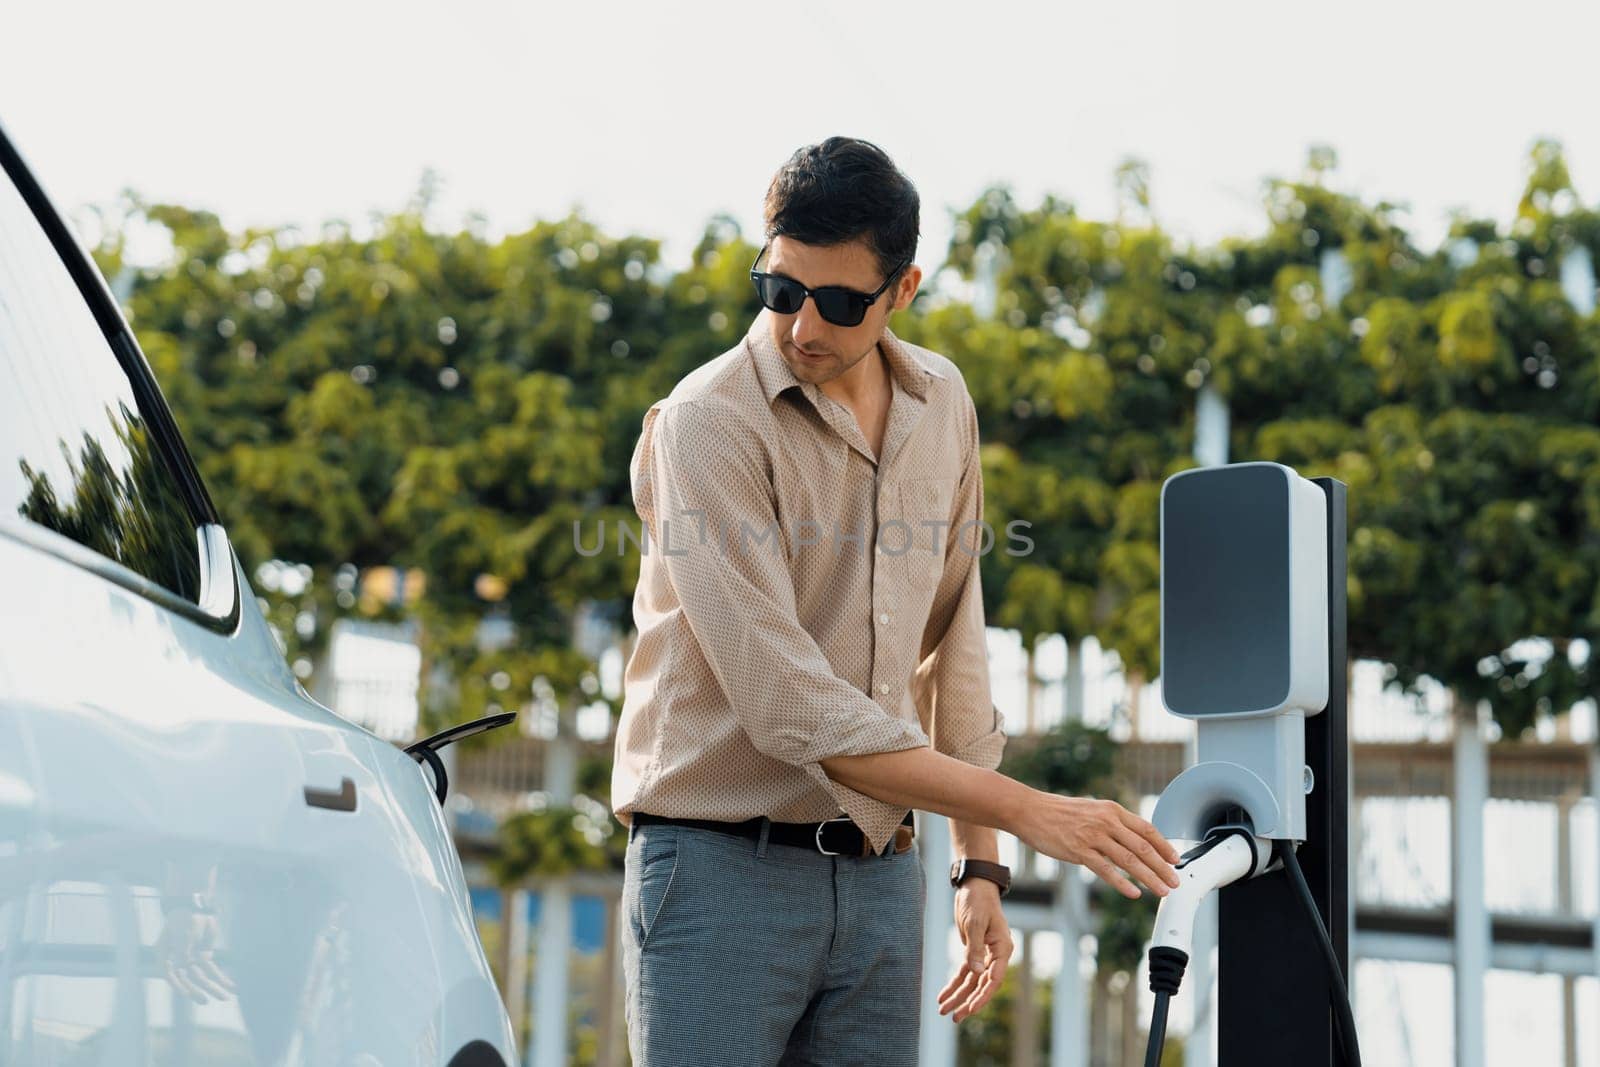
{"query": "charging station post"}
{"type": "Point", "coordinates": [1273, 989]}
{"type": "Point", "coordinates": [1253, 644]}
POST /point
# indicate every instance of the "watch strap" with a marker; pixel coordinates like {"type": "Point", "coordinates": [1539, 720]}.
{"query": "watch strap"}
{"type": "Point", "coordinates": [998, 873]}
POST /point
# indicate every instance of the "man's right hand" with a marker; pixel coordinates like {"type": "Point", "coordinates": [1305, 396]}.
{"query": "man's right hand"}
{"type": "Point", "coordinates": [1103, 836]}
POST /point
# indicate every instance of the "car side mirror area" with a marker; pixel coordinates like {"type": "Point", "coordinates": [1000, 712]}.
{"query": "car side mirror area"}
{"type": "Point", "coordinates": [427, 750]}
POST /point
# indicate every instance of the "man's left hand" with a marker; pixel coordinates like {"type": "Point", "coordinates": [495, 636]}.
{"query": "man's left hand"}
{"type": "Point", "coordinates": [987, 938]}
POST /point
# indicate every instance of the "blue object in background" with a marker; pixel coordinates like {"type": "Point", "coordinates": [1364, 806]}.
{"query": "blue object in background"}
{"type": "Point", "coordinates": [588, 924]}
{"type": "Point", "coordinates": [588, 916]}
{"type": "Point", "coordinates": [485, 903]}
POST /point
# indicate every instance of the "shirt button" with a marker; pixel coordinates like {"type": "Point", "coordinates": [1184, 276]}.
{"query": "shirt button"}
{"type": "Point", "coordinates": [883, 687]}
{"type": "Point", "coordinates": [884, 618]}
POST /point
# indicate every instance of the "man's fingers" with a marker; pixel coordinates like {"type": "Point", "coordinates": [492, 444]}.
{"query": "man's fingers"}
{"type": "Point", "coordinates": [960, 993]}
{"type": "Point", "coordinates": [960, 1007]}
{"type": "Point", "coordinates": [979, 977]}
{"type": "Point", "coordinates": [179, 977]}
{"type": "Point", "coordinates": [960, 987]}
{"type": "Point", "coordinates": [1149, 854]}
{"type": "Point", "coordinates": [972, 969]}
{"type": "Point", "coordinates": [954, 1001]}
{"type": "Point", "coordinates": [206, 967]}
{"type": "Point", "coordinates": [200, 977]}
{"type": "Point", "coordinates": [1149, 833]}
{"type": "Point", "coordinates": [984, 993]}
{"type": "Point", "coordinates": [1108, 873]}
{"type": "Point", "coordinates": [1136, 867]}
{"type": "Point", "coordinates": [979, 997]}
{"type": "Point", "coordinates": [968, 1006]}
{"type": "Point", "coordinates": [951, 986]}
{"type": "Point", "coordinates": [993, 976]}
{"type": "Point", "coordinates": [989, 978]}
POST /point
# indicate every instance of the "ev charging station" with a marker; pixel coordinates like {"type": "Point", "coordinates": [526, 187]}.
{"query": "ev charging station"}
{"type": "Point", "coordinates": [1253, 618]}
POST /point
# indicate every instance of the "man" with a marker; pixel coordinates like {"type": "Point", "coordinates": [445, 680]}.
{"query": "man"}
{"type": "Point", "coordinates": [809, 617]}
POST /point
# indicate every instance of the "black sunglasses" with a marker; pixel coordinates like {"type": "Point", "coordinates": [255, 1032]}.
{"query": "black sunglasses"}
{"type": "Point", "coordinates": [835, 303]}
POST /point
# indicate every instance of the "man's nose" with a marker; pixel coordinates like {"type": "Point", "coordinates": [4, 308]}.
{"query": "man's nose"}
{"type": "Point", "coordinates": [809, 327]}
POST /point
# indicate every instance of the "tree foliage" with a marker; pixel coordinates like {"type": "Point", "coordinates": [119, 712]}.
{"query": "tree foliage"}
{"type": "Point", "coordinates": [457, 406]}
{"type": "Point", "coordinates": [453, 403]}
{"type": "Point", "coordinates": [1455, 391]}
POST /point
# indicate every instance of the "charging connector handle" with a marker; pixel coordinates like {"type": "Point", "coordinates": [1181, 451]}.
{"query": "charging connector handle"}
{"type": "Point", "coordinates": [1225, 862]}
{"type": "Point", "coordinates": [1220, 860]}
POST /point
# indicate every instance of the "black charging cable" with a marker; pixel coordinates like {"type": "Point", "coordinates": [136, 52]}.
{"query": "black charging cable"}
{"type": "Point", "coordinates": [1166, 974]}
{"type": "Point", "coordinates": [1344, 1018]}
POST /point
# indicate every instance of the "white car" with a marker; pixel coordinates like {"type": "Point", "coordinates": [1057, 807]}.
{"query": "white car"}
{"type": "Point", "coordinates": [198, 863]}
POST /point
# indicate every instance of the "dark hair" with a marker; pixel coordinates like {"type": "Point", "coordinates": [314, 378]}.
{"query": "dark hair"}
{"type": "Point", "coordinates": [841, 190]}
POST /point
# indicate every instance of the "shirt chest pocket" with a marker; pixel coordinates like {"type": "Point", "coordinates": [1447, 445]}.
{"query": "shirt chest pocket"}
{"type": "Point", "coordinates": [925, 505]}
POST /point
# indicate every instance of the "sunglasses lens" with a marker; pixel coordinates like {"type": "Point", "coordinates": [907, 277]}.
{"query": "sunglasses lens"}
{"type": "Point", "coordinates": [782, 295]}
{"type": "Point", "coordinates": [840, 306]}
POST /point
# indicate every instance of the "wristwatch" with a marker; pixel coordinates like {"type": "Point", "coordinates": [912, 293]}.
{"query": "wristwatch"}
{"type": "Point", "coordinates": [998, 873]}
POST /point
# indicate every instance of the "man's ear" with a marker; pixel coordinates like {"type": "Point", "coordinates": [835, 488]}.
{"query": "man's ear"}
{"type": "Point", "coordinates": [906, 288]}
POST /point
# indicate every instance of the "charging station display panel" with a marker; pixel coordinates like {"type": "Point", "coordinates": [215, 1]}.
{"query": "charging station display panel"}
{"type": "Point", "coordinates": [1226, 610]}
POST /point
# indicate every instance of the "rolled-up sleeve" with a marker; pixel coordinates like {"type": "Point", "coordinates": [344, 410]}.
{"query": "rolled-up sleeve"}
{"type": "Point", "coordinates": [702, 486]}
{"type": "Point", "coordinates": [951, 686]}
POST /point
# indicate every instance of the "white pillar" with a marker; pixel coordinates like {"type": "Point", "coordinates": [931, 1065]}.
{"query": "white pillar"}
{"type": "Point", "coordinates": [938, 1037]}
{"type": "Point", "coordinates": [611, 987]}
{"type": "Point", "coordinates": [516, 935]}
{"type": "Point", "coordinates": [1577, 280]}
{"type": "Point", "coordinates": [1024, 1018]}
{"type": "Point", "coordinates": [550, 985]}
{"type": "Point", "coordinates": [1069, 1000]}
{"type": "Point", "coordinates": [1211, 421]}
{"type": "Point", "coordinates": [1073, 691]}
{"type": "Point", "coordinates": [1472, 932]}
{"type": "Point", "coordinates": [549, 1042]}
{"type": "Point", "coordinates": [1564, 905]}
{"type": "Point", "coordinates": [1594, 792]}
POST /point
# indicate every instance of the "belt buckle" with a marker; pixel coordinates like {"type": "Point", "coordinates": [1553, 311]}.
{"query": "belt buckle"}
{"type": "Point", "coordinates": [820, 825]}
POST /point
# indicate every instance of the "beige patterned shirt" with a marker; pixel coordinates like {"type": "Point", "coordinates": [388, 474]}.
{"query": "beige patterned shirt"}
{"type": "Point", "coordinates": [800, 598]}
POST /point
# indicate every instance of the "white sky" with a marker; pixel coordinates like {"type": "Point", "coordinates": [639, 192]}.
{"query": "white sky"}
{"type": "Point", "coordinates": [652, 117]}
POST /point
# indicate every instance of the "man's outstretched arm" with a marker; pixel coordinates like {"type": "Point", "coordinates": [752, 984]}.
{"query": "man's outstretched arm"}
{"type": "Point", "coordinates": [1101, 835]}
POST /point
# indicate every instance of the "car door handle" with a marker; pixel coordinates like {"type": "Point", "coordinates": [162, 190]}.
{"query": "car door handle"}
{"type": "Point", "coordinates": [341, 799]}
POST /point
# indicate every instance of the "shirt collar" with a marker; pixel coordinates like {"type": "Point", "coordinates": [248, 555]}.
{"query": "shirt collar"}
{"type": "Point", "coordinates": [913, 375]}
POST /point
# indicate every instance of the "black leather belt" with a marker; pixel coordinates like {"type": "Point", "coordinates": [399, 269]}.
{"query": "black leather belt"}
{"type": "Point", "coordinates": [832, 837]}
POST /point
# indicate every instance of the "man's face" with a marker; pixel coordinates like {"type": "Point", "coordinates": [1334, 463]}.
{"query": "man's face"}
{"type": "Point", "coordinates": [815, 349]}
